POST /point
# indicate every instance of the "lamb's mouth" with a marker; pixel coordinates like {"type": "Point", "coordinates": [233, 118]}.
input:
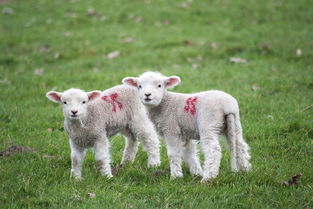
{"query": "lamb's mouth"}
{"type": "Point", "coordinates": [74, 116]}
{"type": "Point", "coordinates": [148, 100]}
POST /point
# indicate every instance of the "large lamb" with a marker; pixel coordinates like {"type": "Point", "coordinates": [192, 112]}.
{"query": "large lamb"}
{"type": "Point", "coordinates": [92, 117]}
{"type": "Point", "coordinates": [182, 117]}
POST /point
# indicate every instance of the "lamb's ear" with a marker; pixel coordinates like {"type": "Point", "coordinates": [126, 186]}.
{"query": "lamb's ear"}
{"type": "Point", "coordinates": [172, 81]}
{"type": "Point", "coordinates": [54, 96]}
{"type": "Point", "coordinates": [130, 81]}
{"type": "Point", "coordinates": [93, 95]}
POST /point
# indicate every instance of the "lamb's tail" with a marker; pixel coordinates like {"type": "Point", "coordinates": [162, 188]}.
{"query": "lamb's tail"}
{"type": "Point", "coordinates": [238, 147]}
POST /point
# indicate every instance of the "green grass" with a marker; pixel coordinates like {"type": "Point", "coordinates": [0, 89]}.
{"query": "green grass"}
{"type": "Point", "coordinates": [266, 33]}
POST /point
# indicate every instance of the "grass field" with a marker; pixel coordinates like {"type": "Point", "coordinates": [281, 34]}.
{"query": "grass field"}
{"type": "Point", "coordinates": [59, 44]}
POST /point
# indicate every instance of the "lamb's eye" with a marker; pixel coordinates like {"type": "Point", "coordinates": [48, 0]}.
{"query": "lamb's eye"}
{"type": "Point", "coordinates": [64, 103]}
{"type": "Point", "coordinates": [159, 85]}
{"type": "Point", "coordinates": [84, 102]}
{"type": "Point", "coordinates": [139, 86]}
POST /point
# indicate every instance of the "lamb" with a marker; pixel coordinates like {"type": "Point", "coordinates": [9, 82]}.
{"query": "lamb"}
{"type": "Point", "coordinates": [181, 117]}
{"type": "Point", "coordinates": [90, 118]}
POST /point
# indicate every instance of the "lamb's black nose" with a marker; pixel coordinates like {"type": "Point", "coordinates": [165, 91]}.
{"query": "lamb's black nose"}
{"type": "Point", "coordinates": [147, 95]}
{"type": "Point", "coordinates": [74, 112]}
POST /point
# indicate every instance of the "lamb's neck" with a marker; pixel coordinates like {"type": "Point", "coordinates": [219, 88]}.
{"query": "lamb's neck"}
{"type": "Point", "coordinates": [166, 100]}
{"type": "Point", "coordinates": [76, 124]}
{"type": "Point", "coordinates": [155, 112]}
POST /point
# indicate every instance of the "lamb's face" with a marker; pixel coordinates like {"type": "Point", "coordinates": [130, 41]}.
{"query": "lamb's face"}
{"type": "Point", "coordinates": [74, 102]}
{"type": "Point", "coordinates": [152, 86]}
{"type": "Point", "coordinates": [151, 90]}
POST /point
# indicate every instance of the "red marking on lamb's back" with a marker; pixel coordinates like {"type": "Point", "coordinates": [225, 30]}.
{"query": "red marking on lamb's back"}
{"type": "Point", "coordinates": [190, 106]}
{"type": "Point", "coordinates": [112, 99]}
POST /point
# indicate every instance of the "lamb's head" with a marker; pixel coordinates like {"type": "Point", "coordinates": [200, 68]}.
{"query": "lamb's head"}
{"type": "Point", "coordinates": [152, 86]}
{"type": "Point", "coordinates": [74, 102]}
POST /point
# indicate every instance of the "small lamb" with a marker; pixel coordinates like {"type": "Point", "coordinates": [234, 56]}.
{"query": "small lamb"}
{"type": "Point", "coordinates": [92, 117]}
{"type": "Point", "coordinates": [182, 117]}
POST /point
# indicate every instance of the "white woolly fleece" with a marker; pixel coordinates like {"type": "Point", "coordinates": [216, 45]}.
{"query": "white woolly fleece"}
{"type": "Point", "coordinates": [182, 117]}
{"type": "Point", "coordinates": [92, 117]}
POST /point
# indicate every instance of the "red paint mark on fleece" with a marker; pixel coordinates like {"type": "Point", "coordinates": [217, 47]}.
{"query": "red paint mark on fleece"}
{"type": "Point", "coordinates": [190, 106]}
{"type": "Point", "coordinates": [112, 99]}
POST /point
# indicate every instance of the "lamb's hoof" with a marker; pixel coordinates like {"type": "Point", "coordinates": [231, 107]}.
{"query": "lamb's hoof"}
{"type": "Point", "coordinates": [235, 170]}
{"type": "Point", "coordinates": [196, 172]}
{"type": "Point", "coordinates": [77, 177]}
{"type": "Point", "coordinates": [247, 168]}
{"type": "Point", "coordinates": [126, 162]}
{"type": "Point", "coordinates": [154, 164]}
{"type": "Point", "coordinates": [205, 180]}
{"type": "Point", "coordinates": [176, 175]}
{"type": "Point", "coordinates": [106, 173]}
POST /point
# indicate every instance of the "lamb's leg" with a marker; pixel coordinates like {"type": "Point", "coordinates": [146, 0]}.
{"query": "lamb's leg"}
{"type": "Point", "coordinates": [144, 130]}
{"type": "Point", "coordinates": [238, 146]}
{"type": "Point", "coordinates": [231, 140]}
{"type": "Point", "coordinates": [242, 149]}
{"type": "Point", "coordinates": [243, 155]}
{"type": "Point", "coordinates": [212, 154]}
{"type": "Point", "coordinates": [131, 147]}
{"type": "Point", "coordinates": [174, 152]}
{"type": "Point", "coordinates": [77, 156]}
{"type": "Point", "coordinates": [191, 158]}
{"type": "Point", "coordinates": [102, 156]}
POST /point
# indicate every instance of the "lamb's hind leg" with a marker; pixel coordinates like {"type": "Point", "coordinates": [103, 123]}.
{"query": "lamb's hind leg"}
{"type": "Point", "coordinates": [191, 158]}
{"type": "Point", "coordinates": [231, 140]}
{"type": "Point", "coordinates": [212, 154]}
{"type": "Point", "coordinates": [239, 148]}
{"type": "Point", "coordinates": [131, 147]}
{"type": "Point", "coordinates": [243, 155]}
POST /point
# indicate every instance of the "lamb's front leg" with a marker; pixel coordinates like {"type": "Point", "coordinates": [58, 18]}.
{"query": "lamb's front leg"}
{"type": "Point", "coordinates": [77, 156]}
{"type": "Point", "coordinates": [102, 156]}
{"type": "Point", "coordinates": [174, 152]}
